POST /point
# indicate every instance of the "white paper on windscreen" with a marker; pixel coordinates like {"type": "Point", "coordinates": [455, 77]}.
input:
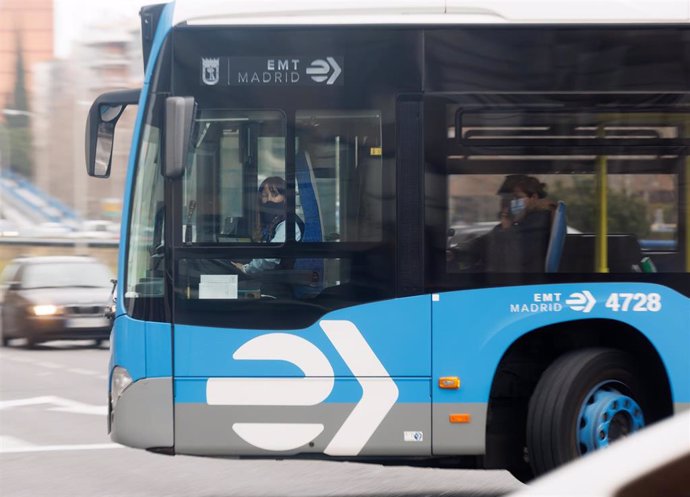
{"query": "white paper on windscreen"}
{"type": "Point", "coordinates": [218, 286]}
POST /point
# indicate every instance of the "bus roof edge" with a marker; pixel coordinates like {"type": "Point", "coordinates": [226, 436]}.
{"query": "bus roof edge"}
{"type": "Point", "coordinates": [270, 12]}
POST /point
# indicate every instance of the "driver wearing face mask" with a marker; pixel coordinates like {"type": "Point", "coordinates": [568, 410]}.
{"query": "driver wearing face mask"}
{"type": "Point", "coordinates": [271, 228]}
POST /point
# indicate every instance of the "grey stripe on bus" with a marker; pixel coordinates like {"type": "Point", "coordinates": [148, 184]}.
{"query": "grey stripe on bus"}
{"type": "Point", "coordinates": [201, 429]}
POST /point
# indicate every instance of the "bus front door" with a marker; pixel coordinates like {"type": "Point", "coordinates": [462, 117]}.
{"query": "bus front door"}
{"type": "Point", "coordinates": [266, 363]}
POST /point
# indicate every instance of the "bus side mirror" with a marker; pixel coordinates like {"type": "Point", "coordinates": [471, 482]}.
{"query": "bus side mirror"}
{"type": "Point", "coordinates": [100, 129]}
{"type": "Point", "coordinates": [179, 116]}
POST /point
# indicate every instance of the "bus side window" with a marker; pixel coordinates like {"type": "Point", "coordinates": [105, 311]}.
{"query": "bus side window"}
{"type": "Point", "coordinates": [624, 255]}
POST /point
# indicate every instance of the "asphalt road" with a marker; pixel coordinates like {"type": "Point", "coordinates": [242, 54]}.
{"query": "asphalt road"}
{"type": "Point", "coordinates": [53, 443]}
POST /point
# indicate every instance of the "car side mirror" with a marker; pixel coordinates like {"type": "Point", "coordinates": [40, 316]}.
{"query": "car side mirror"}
{"type": "Point", "coordinates": [100, 129]}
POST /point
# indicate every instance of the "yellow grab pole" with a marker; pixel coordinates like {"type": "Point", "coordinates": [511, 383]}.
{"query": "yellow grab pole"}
{"type": "Point", "coordinates": [601, 249]}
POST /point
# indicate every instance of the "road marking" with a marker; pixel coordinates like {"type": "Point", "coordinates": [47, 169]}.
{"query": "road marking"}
{"type": "Point", "coordinates": [59, 404]}
{"type": "Point", "coordinates": [86, 372]}
{"type": "Point", "coordinates": [51, 365]}
{"type": "Point", "coordinates": [11, 443]}
{"type": "Point", "coordinates": [17, 359]}
{"type": "Point", "coordinates": [54, 448]}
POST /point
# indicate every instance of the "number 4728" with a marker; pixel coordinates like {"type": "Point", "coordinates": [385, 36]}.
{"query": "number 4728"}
{"type": "Point", "coordinates": [635, 302]}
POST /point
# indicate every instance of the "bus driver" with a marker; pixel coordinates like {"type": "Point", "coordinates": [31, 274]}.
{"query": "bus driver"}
{"type": "Point", "coordinates": [271, 226]}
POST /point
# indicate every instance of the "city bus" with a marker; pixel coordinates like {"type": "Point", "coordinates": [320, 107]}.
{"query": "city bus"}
{"type": "Point", "coordinates": [476, 251]}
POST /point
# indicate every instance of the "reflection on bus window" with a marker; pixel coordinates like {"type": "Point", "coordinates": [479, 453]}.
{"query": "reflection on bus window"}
{"type": "Point", "coordinates": [145, 255]}
{"type": "Point", "coordinates": [640, 204]}
{"type": "Point", "coordinates": [330, 191]}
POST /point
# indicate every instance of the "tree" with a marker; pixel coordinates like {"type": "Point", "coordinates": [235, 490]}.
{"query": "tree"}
{"type": "Point", "coordinates": [626, 213]}
{"type": "Point", "coordinates": [18, 123]}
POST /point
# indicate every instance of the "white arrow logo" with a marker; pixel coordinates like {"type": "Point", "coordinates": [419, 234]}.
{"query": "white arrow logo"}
{"type": "Point", "coordinates": [310, 390]}
{"type": "Point", "coordinates": [581, 301]}
{"type": "Point", "coordinates": [379, 392]}
{"type": "Point", "coordinates": [320, 69]}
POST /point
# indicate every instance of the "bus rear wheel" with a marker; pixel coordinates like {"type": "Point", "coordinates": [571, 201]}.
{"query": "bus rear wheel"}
{"type": "Point", "coordinates": [585, 400]}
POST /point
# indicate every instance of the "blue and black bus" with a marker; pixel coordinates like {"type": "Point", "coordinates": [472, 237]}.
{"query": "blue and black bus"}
{"type": "Point", "coordinates": [396, 305]}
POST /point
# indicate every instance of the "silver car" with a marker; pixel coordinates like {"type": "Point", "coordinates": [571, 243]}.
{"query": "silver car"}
{"type": "Point", "coordinates": [55, 298]}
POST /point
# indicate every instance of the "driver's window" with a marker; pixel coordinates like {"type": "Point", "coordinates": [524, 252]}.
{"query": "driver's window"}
{"type": "Point", "coordinates": [234, 153]}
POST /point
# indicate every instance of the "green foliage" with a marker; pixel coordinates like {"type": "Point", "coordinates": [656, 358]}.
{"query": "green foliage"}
{"type": "Point", "coordinates": [626, 213]}
{"type": "Point", "coordinates": [21, 158]}
{"type": "Point", "coordinates": [20, 99]}
{"type": "Point", "coordinates": [18, 126]}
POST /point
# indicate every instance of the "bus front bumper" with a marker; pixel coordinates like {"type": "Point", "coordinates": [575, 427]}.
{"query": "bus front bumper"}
{"type": "Point", "coordinates": [142, 415]}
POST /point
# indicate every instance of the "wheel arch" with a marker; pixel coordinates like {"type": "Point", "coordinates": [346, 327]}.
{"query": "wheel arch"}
{"type": "Point", "coordinates": [524, 361]}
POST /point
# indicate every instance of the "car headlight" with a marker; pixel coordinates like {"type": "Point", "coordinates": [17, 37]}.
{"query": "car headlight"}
{"type": "Point", "coordinates": [46, 310]}
{"type": "Point", "coordinates": [118, 383]}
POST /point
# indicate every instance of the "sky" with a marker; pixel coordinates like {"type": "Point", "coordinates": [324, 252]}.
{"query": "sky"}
{"type": "Point", "coordinates": [71, 16]}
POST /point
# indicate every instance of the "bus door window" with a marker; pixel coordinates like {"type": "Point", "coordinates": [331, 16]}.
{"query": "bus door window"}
{"type": "Point", "coordinates": [144, 276]}
{"type": "Point", "coordinates": [234, 152]}
{"type": "Point", "coordinates": [339, 181]}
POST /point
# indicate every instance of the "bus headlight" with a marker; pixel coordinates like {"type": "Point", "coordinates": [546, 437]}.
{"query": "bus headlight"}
{"type": "Point", "coordinates": [118, 383]}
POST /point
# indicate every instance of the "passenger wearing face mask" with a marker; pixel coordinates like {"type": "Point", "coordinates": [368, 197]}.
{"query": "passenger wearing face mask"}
{"type": "Point", "coordinates": [271, 227]}
{"type": "Point", "coordinates": [520, 241]}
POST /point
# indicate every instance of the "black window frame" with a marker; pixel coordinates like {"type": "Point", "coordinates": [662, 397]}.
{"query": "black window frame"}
{"type": "Point", "coordinates": [445, 157]}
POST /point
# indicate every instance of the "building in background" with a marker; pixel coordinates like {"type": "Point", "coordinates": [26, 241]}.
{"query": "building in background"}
{"type": "Point", "coordinates": [106, 58]}
{"type": "Point", "coordinates": [29, 24]}
{"type": "Point", "coordinates": [59, 93]}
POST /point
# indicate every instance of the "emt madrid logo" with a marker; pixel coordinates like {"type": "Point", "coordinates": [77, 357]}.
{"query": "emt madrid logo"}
{"type": "Point", "coordinates": [325, 71]}
{"type": "Point", "coordinates": [210, 71]}
{"type": "Point", "coordinates": [379, 391]}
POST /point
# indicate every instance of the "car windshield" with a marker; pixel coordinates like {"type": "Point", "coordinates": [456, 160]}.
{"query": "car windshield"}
{"type": "Point", "coordinates": [70, 274]}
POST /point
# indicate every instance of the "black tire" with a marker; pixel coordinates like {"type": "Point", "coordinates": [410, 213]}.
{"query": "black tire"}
{"type": "Point", "coordinates": [553, 416]}
{"type": "Point", "coordinates": [4, 339]}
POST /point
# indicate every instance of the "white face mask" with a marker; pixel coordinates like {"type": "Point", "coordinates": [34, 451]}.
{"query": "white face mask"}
{"type": "Point", "coordinates": [517, 207]}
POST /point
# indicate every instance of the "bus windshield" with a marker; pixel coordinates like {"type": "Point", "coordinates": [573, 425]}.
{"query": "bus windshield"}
{"type": "Point", "coordinates": [293, 227]}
